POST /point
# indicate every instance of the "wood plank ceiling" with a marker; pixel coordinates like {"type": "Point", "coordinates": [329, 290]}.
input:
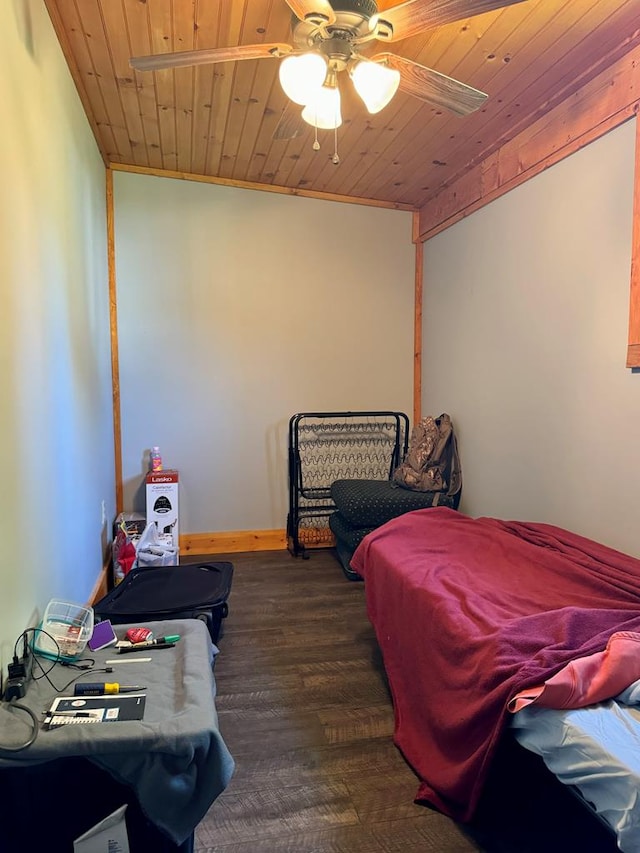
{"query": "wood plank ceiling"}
{"type": "Point", "coordinates": [219, 120]}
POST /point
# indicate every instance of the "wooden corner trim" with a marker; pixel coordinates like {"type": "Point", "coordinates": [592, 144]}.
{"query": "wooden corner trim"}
{"type": "Point", "coordinates": [101, 586]}
{"type": "Point", "coordinates": [633, 348]}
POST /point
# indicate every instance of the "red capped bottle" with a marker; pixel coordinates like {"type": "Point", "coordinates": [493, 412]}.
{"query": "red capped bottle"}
{"type": "Point", "coordinates": [156, 459]}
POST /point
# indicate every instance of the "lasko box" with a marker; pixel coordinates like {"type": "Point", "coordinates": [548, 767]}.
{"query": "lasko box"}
{"type": "Point", "coordinates": [162, 502]}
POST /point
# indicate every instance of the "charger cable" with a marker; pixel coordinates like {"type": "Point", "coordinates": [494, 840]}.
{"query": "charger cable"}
{"type": "Point", "coordinates": [34, 728]}
{"type": "Point", "coordinates": [13, 703]}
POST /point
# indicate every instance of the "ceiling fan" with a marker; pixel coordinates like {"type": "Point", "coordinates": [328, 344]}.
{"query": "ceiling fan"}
{"type": "Point", "coordinates": [329, 38]}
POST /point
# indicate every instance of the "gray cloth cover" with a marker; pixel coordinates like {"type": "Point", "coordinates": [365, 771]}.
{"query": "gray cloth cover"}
{"type": "Point", "coordinates": [174, 759]}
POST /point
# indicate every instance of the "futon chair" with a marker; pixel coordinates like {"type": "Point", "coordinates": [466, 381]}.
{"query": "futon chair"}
{"type": "Point", "coordinates": [429, 476]}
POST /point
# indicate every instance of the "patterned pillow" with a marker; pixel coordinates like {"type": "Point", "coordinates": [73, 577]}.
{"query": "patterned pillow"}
{"type": "Point", "coordinates": [370, 503]}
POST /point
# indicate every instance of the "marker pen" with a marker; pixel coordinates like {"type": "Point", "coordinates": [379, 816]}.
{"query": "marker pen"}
{"type": "Point", "coordinates": [144, 647]}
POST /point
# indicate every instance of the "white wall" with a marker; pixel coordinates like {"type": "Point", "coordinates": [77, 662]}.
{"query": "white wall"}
{"type": "Point", "coordinates": [56, 433]}
{"type": "Point", "coordinates": [236, 310]}
{"type": "Point", "coordinates": [525, 334]}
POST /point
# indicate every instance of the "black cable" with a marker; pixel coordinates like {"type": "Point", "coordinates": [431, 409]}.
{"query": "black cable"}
{"type": "Point", "coordinates": [79, 675]}
{"type": "Point", "coordinates": [85, 670]}
{"type": "Point", "coordinates": [34, 655]}
{"type": "Point", "coordinates": [35, 725]}
{"type": "Point", "coordinates": [84, 664]}
{"type": "Point", "coordinates": [15, 645]}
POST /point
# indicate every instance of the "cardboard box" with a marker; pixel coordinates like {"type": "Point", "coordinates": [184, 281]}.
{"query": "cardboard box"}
{"type": "Point", "coordinates": [108, 836]}
{"type": "Point", "coordinates": [162, 502]}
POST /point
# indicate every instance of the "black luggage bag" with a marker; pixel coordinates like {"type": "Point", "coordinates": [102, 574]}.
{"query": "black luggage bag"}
{"type": "Point", "coordinates": [189, 591]}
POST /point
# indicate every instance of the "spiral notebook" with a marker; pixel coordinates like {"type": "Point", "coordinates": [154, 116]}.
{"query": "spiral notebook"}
{"type": "Point", "coordinates": [79, 710]}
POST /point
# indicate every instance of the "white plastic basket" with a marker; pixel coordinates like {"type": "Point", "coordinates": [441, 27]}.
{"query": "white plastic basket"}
{"type": "Point", "coordinates": [65, 630]}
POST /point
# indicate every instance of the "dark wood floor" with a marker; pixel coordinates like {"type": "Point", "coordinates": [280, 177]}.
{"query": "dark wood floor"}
{"type": "Point", "coordinates": [304, 708]}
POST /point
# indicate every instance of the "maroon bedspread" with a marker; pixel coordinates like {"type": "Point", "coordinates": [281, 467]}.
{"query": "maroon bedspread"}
{"type": "Point", "coordinates": [468, 612]}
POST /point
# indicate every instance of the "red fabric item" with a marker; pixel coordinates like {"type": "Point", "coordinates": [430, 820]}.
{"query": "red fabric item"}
{"type": "Point", "coordinates": [127, 557]}
{"type": "Point", "coordinates": [468, 612]}
{"type": "Point", "coordinates": [588, 680]}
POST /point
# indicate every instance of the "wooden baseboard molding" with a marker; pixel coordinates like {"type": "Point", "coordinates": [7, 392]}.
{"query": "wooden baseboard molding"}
{"type": "Point", "coordinates": [102, 584]}
{"type": "Point", "coordinates": [231, 542]}
{"type": "Point", "coordinates": [228, 542]}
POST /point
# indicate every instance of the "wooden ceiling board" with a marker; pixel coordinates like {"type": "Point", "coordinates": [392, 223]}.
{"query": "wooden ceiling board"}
{"type": "Point", "coordinates": [110, 17]}
{"type": "Point", "coordinates": [269, 152]}
{"type": "Point", "coordinates": [502, 118]}
{"type": "Point", "coordinates": [206, 35]}
{"type": "Point", "coordinates": [376, 140]}
{"type": "Point", "coordinates": [101, 66]}
{"type": "Point", "coordinates": [362, 137]}
{"type": "Point", "coordinates": [231, 33]}
{"type": "Point", "coordinates": [418, 128]}
{"type": "Point", "coordinates": [499, 118]}
{"type": "Point", "coordinates": [255, 25]}
{"type": "Point", "coordinates": [455, 143]}
{"type": "Point", "coordinates": [217, 121]}
{"type": "Point", "coordinates": [184, 33]}
{"type": "Point", "coordinates": [73, 44]}
{"type": "Point", "coordinates": [263, 80]}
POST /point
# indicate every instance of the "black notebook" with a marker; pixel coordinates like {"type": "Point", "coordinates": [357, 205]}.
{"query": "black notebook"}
{"type": "Point", "coordinates": [95, 709]}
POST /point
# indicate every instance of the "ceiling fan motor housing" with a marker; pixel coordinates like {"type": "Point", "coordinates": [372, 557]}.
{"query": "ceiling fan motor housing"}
{"type": "Point", "coordinates": [366, 8]}
{"type": "Point", "coordinates": [352, 22]}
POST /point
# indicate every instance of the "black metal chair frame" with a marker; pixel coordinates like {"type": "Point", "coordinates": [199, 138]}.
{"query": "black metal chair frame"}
{"type": "Point", "coordinates": [313, 500]}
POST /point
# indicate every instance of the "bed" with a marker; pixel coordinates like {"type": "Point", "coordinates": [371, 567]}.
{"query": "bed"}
{"type": "Point", "coordinates": [486, 624]}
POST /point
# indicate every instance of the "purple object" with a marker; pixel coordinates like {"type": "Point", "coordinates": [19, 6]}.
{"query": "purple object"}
{"type": "Point", "coordinates": [103, 636]}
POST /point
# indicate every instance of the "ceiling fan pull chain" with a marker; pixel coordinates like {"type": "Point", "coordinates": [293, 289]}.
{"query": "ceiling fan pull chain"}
{"type": "Point", "coordinates": [316, 144]}
{"type": "Point", "coordinates": [335, 159]}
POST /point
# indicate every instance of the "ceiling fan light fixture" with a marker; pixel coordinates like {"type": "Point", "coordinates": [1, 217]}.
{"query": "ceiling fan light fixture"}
{"type": "Point", "coordinates": [302, 75]}
{"type": "Point", "coordinates": [323, 111]}
{"type": "Point", "coordinates": [375, 83]}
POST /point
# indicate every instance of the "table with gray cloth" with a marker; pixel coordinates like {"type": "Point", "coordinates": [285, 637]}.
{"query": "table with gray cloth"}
{"type": "Point", "coordinates": [174, 759]}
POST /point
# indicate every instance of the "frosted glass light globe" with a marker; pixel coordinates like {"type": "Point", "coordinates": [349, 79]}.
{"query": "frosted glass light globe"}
{"type": "Point", "coordinates": [323, 111]}
{"type": "Point", "coordinates": [302, 75]}
{"type": "Point", "coordinates": [376, 84]}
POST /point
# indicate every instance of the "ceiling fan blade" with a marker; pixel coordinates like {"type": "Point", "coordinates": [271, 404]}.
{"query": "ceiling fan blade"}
{"type": "Point", "coordinates": [290, 124]}
{"type": "Point", "coordinates": [414, 16]}
{"type": "Point", "coordinates": [433, 87]}
{"type": "Point", "coordinates": [183, 58]}
{"type": "Point", "coordinates": [315, 11]}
